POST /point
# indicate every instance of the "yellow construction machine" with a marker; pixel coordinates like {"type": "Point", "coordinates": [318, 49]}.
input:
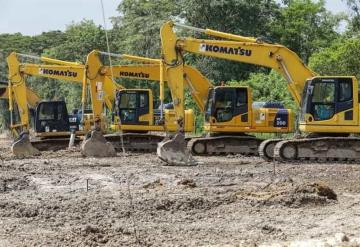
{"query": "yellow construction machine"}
{"type": "Point", "coordinates": [52, 122]}
{"type": "Point", "coordinates": [329, 105]}
{"type": "Point", "coordinates": [134, 112]}
{"type": "Point", "coordinates": [229, 114]}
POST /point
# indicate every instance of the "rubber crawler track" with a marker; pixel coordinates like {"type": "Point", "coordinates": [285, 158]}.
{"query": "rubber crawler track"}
{"type": "Point", "coordinates": [322, 149]}
{"type": "Point", "coordinates": [224, 145]}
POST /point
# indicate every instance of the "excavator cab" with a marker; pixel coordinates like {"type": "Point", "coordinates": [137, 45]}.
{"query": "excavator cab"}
{"type": "Point", "coordinates": [52, 116]}
{"type": "Point", "coordinates": [226, 103]}
{"type": "Point", "coordinates": [330, 101]}
{"type": "Point", "coordinates": [133, 106]}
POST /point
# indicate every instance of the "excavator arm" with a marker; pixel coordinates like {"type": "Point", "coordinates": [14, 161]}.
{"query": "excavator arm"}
{"type": "Point", "coordinates": [235, 48]}
{"type": "Point", "coordinates": [194, 80]}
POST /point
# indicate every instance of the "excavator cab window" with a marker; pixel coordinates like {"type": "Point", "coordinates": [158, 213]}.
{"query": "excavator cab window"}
{"type": "Point", "coordinates": [241, 106]}
{"type": "Point", "coordinates": [345, 91]}
{"type": "Point", "coordinates": [224, 105]}
{"type": "Point", "coordinates": [323, 97]}
{"type": "Point", "coordinates": [51, 116]}
{"type": "Point", "coordinates": [128, 107]}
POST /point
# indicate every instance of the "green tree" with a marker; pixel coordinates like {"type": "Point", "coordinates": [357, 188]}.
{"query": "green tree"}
{"type": "Point", "coordinates": [354, 18]}
{"type": "Point", "coordinates": [80, 39]}
{"type": "Point", "coordinates": [138, 25]}
{"type": "Point", "coordinates": [305, 26]}
{"type": "Point", "coordinates": [268, 87]}
{"type": "Point", "coordinates": [340, 58]}
{"type": "Point", "coordinates": [244, 17]}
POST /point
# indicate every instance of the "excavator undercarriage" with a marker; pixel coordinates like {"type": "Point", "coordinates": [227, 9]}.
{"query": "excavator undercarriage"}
{"type": "Point", "coordinates": [321, 149]}
{"type": "Point", "coordinates": [224, 145]}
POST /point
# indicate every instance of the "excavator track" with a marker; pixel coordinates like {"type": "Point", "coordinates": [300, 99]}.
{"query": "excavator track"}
{"type": "Point", "coordinates": [322, 149]}
{"type": "Point", "coordinates": [54, 144]}
{"type": "Point", "coordinates": [135, 142]}
{"type": "Point", "coordinates": [223, 145]}
{"type": "Point", "coordinates": [266, 149]}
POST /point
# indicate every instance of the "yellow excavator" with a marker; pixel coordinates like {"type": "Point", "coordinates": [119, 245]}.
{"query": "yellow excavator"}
{"type": "Point", "coordinates": [52, 125]}
{"type": "Point", "coordinates": [329, 105]}
{"type": "Point", "coordinates": [229, 115]}
{"type": "Point", "coordinates": [134, 112]}
{"type": "Point", "coordinates": [199, 87]}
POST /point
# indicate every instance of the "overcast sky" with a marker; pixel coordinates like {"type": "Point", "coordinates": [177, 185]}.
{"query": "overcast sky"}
{"type": "Point", "coordinates": [33, 17]}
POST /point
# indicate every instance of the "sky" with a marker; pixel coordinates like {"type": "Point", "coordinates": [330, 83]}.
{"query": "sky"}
{"type": "Point", "coordinates": [32, 17]}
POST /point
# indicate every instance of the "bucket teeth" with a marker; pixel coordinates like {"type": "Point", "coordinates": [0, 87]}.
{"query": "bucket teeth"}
{"type": "Point", "coordinates": [22, 147]}
{"type": "Point", "coordinates": [95, 145]}
{"type": "Point", "coordinates": [174, 152]}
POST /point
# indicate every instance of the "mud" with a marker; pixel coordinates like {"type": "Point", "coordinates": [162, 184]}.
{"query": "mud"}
{"type": "Point", "coordinates": [64, 199]}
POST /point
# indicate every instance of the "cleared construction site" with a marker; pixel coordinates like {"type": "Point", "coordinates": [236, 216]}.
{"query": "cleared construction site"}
{"type": "Point", "coordinates": [117, 149]}
{"type": "Point", "coordinates": [61, 198]}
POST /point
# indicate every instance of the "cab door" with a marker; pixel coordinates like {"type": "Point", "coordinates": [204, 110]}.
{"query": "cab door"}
{"type": "Point", "coordinates": [241, 107]}
{"type": "Point", "coordinates": [345, 106]}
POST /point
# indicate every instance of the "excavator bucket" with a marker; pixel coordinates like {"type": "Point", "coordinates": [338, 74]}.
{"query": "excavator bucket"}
{"type": "Point", "coordinates": [95, 145]}
{"type": "Point", "coordinates": [174, 152]}
{"type": "Point", "coordinates": [22, 146]}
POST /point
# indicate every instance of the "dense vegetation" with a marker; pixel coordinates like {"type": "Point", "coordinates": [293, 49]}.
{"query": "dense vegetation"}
{"type": "Point", "coordinates": [329, 43]}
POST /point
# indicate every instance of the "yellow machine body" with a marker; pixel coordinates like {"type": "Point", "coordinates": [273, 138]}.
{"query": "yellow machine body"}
{"type": "Point", "coordinates": [248, 118]}
{"type": "Point", "coordinates": [150, 70]}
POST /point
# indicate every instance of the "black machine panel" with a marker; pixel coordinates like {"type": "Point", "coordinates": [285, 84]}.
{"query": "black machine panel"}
{"type": "Point", "coordinates": [282, 118]}
{"type": "Point", "coordinates": [51, 116]}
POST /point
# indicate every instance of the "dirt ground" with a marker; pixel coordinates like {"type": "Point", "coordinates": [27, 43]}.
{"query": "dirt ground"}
{"type": "Point", "coordinates": [63, 199]}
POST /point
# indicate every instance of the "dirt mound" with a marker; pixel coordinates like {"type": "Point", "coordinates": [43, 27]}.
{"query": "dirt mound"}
{"type": "Point", "coordinates": [319, 189]}
{"type": "Point", "coordinates": [192, 203]}
{"type": "Point", "coordinates": [287, 193]}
